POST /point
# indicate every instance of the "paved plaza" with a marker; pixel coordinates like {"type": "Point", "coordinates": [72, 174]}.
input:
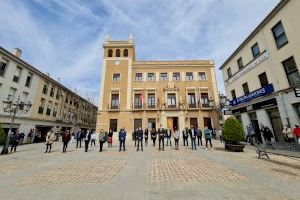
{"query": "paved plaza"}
{"type": "Point", "coordinates": [151, 174]}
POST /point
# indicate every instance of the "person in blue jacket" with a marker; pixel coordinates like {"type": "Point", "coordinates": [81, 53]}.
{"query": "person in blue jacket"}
{"type": "Point", "coordinates": [207, 134]}
{"type": "Point", "coordinates": [122, 139]}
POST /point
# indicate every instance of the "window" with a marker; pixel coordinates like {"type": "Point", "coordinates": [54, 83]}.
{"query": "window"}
{"type": "Point", "coordinates": [49, 107]}
{"type": "Point", "coordinates": [28, 79]}
{"type": "Point", "coordinates": [191, 100]}
{"type": "Point", "coordinates": [138, 100]}
{"type": "Point", "coordinates": [17, 74]}
{"type": "Point", "coordinates": [116, 77]}
{"type": "Point", "coordinates": [45, 88]}
{"type": "Point", "coordinates": [151, 77]}
{"type": "Point", "coordinates": [204, 100]}
{"type": "Point", "coordinates": [202, 76]}
{"type": "Point", "coordinates": [67, 99]}
{"type": "Point", "coordinates": [110, 53]}
{"type": "Point", "coordinates": [52, 92]}
{"type": "Point", "coordinates": [263, 79]}
{"type": "Point", "coordinates": [176, 76]}
{"type": "Point", "coordinates": [55, 110]}
{"type": "Point", "coordinates": [255, 50]}
{"type": "Point", "coordinates": [240, 63]}
{"type": "Point", "coordinates": [189, 76]}
{"type": "Point", "coordinates": [163, 76]}
{"type": "Point", "coordinates": [113, 125]}
{"type": "Point", "coordinates": [171, 101]}
{"type": "Point", "coordinates": [118, 53]}
{"type": "Point", "coordinates": [279, 35]}
{"type": "Point", "coordinates": [291, 71]}
{"type": "Point", "coordinates": [151, 100]}
{"type": "Point", "coordinates": [229, 73]}
{"type": "Point", "coordinates": [246, 88]}
{"type": "Point", "coordinates": [58, 94]}
{"type": "Point", "coordinates": [138, 76]}
{"type": "Point", "coordinates": [3, 65]}
{"type": "Point", "coordinates": [151, 123]}
{"type": "Point", "coordinates": [125, 53]}
{"type": "Point", "coordinates": [233, 94]}
{"type": "Point", "coordinates": [12, 93]}
{"type": "Point", "coordinates": [42, 106]}
{"type": "Point", "coordinates": [114, 101]}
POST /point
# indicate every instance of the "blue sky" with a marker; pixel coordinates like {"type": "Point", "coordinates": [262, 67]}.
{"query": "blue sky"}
{"type": "Point", "coordinates": [64, 37]}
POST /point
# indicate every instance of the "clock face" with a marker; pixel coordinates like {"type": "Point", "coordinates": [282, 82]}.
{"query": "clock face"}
{"type": "Point", "coordinates": [117, 62]}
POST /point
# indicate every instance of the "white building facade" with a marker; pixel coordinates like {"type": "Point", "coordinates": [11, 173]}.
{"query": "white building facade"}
{"type": "Point", "coordinates": [262, 75]}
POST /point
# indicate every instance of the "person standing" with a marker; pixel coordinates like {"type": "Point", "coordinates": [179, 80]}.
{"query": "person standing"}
{"type": "Point", "coordinates": [102, 139]}
{"type": "Point", "coordinates": [199, 136]}
{"type": "Point", "coordinates": [78, 138]}
{"type": "Point", "coordinates": [297, 133]}
{"type": "Point", "coordinates": [169, 136]}
{"type": "Point", "coordinates": [161, 136]}
{"type": "Point", "coordinates": [65, 138]}
{"type": "Point", "coordinates": [122, 139]}
{"type": "Point", "coordinates": [207, 134]}
{"type": "Point", "coordinates": [72, 137]}
{"type": "Point", "coordinates": [93, 139]}
{"type": "Point", "coordinates": [193, 137]}
{"type": "Point", "coordinates": [185, 136]}
{"type": "Point", "coordinates": [134, 137]}
{"type": "Point", "coordinates": [30, 134]}
{"type": "Point", "coordinates": [15, 139]}
{"type": "Point", "coordinates": [146, 133]}
{"type": "Point", "coordinates": [139, 137]}
{"type": "Point", "coordinates": [287, 132]}
{"type": "Point", "coordinates": [153, 136]}
{"type": "Point", "coordinates": [49, 141]}
{"type": "Point", "coordinates": [110, 138]}
{"type": "Point", "coordinates": [87, 140]}
{"type": "Point", "coordinates": [176, 138]}
{"type": "Point", "coordinates": [22, 136]}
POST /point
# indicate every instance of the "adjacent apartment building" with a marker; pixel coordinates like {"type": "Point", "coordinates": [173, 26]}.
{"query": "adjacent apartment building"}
{"type": "Point", "coordinates": [262, 75]}
{"type": "Point", "coordinates": [149, 93]}
{"type": "Point", "coordinates": [53, 105]}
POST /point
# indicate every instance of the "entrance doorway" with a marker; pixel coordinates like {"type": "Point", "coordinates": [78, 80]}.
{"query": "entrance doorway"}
{"type": "Point", "coordinates": [255, 125]}
{"type": "Point", "coordinates": [137, 124]}
{"type": "Point", "coordinates": [276, 124]}
{"type": "Point", "coordinates": [172, 122]}
{"type": "Point", "coordinates": [152, 123]}
{"type": "Point", "coordinates": [41, 133]}
{"type": "Point", "coordinates": [113, 125]}
{"type": "Point", "coordinates": [194, 122]}
{"type": "Point", "coordinates": [207, 122]}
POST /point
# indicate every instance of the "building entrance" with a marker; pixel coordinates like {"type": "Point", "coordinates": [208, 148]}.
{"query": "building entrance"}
{"type": "Point", "coordinates": [276, 124]}
{"type": "Point", "coordinates": [172, 122]}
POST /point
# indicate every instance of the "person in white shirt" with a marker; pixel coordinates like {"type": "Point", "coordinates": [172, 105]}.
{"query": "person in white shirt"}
{"type": "Point", "coordinates": [176, 137]}
{"type": "Point", "coordinates": [93, 139]}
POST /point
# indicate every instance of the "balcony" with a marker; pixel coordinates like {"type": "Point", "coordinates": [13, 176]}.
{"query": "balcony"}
{"type": "Point", "coordinates": [192, 106]}
{"type": "Point", "coordinates": [114, 107]}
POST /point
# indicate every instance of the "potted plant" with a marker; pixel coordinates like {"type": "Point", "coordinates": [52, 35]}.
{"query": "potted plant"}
{"type": "Point", "coordinates": [233, 134]}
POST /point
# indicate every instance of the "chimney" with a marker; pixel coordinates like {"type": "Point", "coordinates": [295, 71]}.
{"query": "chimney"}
{"type": "Point", "coordinates": [17, 52]}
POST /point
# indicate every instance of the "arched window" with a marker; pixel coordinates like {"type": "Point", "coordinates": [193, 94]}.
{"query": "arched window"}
{"type": "Point", "coordinates": [125, 53]}
{"type": "Point", "coordinates": [118, 53]}
{"type": "Point", "coordinates": [110, 53]}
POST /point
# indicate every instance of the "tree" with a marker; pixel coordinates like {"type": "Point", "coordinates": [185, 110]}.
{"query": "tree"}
{"type": "Point", "coordinates": [232, 131]}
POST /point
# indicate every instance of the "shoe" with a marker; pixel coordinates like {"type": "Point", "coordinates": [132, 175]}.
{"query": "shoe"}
{"type": "Point", "coordinates": [120, 150]}
{"type": "Point", "coordinates": [45, 151]}
{"type": "Point", "coordinates": [205, 148]}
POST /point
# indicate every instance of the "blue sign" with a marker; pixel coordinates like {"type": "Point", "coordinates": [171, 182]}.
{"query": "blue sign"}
{"type": "Point", "coordinates": [268, 89]}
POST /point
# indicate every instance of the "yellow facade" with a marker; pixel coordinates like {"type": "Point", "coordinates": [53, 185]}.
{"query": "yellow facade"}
{"type": "Point", "coordinates": [145, 93]}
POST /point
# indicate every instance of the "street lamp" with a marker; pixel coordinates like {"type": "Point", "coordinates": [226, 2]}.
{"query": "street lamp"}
{"type": "Point", "coordinates": [12, 108]}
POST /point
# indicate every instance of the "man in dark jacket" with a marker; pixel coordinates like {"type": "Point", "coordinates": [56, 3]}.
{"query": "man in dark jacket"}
{"type": "Point", "coordinates": [15, 138]}
{"type": "Point", "coordinates": [87, 139]}
{"type": "Point", "coordinates": [139, 138]}
{"type": "Point", "coordinates": [185, 136]}
{"type": "Point", "coordinates": [199, 136]}
{"type": "Point", "coordinates": [193, 137]}
{"type": "Point", "coordinates": [78, 139]}
{"type": "Point", "coordinates": [66, 138]}
{"type": "Point", "coordinates": [161, 136]}
{"type": "Point", "coordinates": [122, 139]}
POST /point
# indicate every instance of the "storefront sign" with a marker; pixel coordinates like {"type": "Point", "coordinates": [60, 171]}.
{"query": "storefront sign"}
{"type": "Point", "coordinates": [260, 105]}
{"type": "Point", "coordinates": [297, 92]}
{"type": "Point", "coordinates": [248, 67]}
{"type": "Point", "coordinates": [268, 89]}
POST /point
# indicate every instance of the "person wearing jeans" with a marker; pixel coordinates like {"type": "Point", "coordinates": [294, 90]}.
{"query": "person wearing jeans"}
{"type": "Point", "coordinates": [66, 138]}
{"type": "Point", "coordinates": [193, 137]}
{"type": "Point", "coordinates": [122, 139]}
{"type": "Point", "coordinates": [207, 134]}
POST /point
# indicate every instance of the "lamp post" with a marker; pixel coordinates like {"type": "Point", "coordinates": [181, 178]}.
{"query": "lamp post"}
{"type": "Point", "coordinates": [13, 107]}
